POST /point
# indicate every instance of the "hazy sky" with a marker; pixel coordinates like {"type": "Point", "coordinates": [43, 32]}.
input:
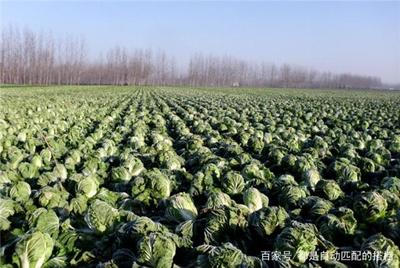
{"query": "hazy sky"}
{"type": "Point", "coordinates": [358, 37]}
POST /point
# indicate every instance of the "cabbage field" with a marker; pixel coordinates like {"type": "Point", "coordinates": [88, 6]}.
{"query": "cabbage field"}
{"type": "Point", "coordinates": [181, 177]}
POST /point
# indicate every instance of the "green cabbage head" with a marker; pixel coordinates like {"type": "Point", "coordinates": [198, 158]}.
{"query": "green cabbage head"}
{"type": "Point", "coordinates": [156, 250]}
{"type": "Point", "coordinates": [233, 183]}
{"type": "Point", "coordinates": [340, 222]}
{"type": "Point", "coordinates": [266, 220]}
{"type": "Point", "coordinates": [254, 199]}
{"type": "Point", "coordinates": [300, 239]}
{"type": "Point", "coordinates": [88, 186]}
{"type": "Point", "coordinates": [101, 217]}
{"type": "Point", "coordinates": [20, 191]}
{"type": "Point", "coordinates": [370, 207]}
{"type": "Point", "coordinates": [33, 250]}
{"type": "Point", "coordinates": [218, 199]}
{"type": "Point", "coordinates": [180, 208]}
{"type": "Point", "coordinates": [385, 246]}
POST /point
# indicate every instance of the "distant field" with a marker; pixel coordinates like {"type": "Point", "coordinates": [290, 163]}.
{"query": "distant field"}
{"type": "Point", "coordinates": [197, 177]}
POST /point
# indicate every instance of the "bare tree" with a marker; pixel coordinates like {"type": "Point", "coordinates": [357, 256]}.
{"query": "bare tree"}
{"type": "Point", "coordinates": [27, 57]}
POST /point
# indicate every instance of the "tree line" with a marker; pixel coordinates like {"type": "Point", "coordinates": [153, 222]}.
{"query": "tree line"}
{"type": "Point", "coordinates": [28, 57]}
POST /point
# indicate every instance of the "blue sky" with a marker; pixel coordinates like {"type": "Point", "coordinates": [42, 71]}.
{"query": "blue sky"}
{"type": "Point", "coordinates": [359, 37]}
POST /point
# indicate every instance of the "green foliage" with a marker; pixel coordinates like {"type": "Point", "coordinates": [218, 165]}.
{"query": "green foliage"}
{"type": "Point", "coordinates": [151, 187]}
{"type": "Point", "coordinates": [45, 221]}
{"type": "Point", "coordinates": [87, 186]}
{"type": "Point", "coordinates": [180, 208]}
{"type": "Point", "coordinates": [20, 191]}
{"type": "Point", "coordinates": [299, 239]}
{"type": "Point", "coordinates": [33, 250]}
{"type": "Point", "coordinates": [380, 243]}
{"type": "Point", "coordinates": [233, 183]}
{"type": "Point", "coordinates": [156, 250]}
{"type": "Point", "coordinates": [6, 210]}
{"type": "Point", "coordinates": [191, 177]}
{"type": "Point", "coordinates": [254, 199]}
{"type": "Point", "coordinates": [268, 219]}
{"type": "Point", "coordinates": [226, 255]}
{"type": "Point", "coordinates": [370, 207]}
{"type": "Point", "coordinates": [101, 217]}
{"type": "Point", "coordinates": [340, 222]}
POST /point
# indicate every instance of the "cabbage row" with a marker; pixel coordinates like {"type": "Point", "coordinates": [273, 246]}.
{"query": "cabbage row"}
{"type": "Point", "coordinates": [164, 177]}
